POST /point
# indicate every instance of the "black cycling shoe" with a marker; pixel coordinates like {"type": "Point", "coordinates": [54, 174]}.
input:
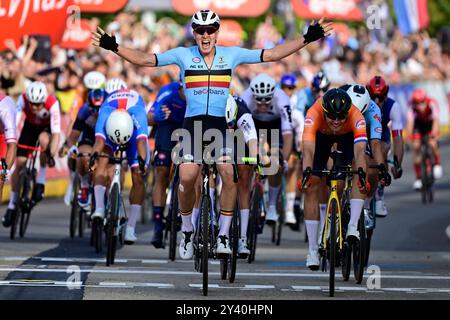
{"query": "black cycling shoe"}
{"type": "Point", "coordinates": [157, 240]}
{"type": "Point", "coordinates": [7, 218]}
{"type": "Point", "coordinates": [38, 193]}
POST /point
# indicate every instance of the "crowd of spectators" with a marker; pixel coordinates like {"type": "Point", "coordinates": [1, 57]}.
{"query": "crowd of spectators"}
{"type": "Point", "coordinates": [350, 55]}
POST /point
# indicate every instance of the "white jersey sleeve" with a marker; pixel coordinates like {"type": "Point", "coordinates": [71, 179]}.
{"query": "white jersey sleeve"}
{"type": "Point", "coordinates": [396, 117]}
{"type": "Point", "coordinates": [247, 125]}
{"type": "Point", "coordinates": [55, 118]}
{"type": "Point", "coordinates": [298, 122]}
{"type": "Point", "coordinates": [8, 119]}
{"type": "Point", "coordinates": [284, 108]}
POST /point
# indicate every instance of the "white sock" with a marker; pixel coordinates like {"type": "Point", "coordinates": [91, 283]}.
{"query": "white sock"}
{"type": "Point", "coordinates": [323, 215]}
{"type": "Point", "coordinates": [41, 175]}
{"type": "Point", "coordinates": [356, 206]}
{"type": "Point", "coordinates": [224, 223]}
{"type": "Point", "coordinates": [244, 222]}
{"type": "Point", "coordinates": [84, 181]}
{"type": "Point", "coordinates": [194, 216]}
{"type": "Point", "coordinates": [12, 200]}
{"type": "Point", "coordinates": [273, 194]}
{"type": "Point", "coordinates": [211, 196]}
{"type": "Point", "coordinates": [135, 210]}
{"type": "Point", "coordinates": [311, 229]}
{"type": "Point", "coordinates": [99, 192]}
{"type": "Point", "coordinates": [290, 199]}
{"type": "Point", "coordinates": [186, 225]}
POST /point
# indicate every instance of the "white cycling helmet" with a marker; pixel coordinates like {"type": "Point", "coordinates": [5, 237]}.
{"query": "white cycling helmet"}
{"type": "Point", "coordinates": [119, 126]}
{"type": "Point", "coordinates": [114, 84]}
{"type": "Point", "coordinates": [94, 80]}
{"type": "Point", "coordinates": [360, 96]}
{"type": "Point", "coordinates": [231, 110]}
{"type": "Point", "coordinates": [263, 86]}
{"type": "Point", "coordinates": [37, 92]}
{"type": "Point", "coordinates": [205, 18]}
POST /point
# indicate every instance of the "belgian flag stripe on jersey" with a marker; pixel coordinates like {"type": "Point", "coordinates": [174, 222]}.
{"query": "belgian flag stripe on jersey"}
{"type": "Point", "coordinates": [199, 78]}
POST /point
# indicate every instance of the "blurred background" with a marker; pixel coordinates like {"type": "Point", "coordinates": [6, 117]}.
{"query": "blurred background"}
{"type": "Point", "coordinates": [407, 42]}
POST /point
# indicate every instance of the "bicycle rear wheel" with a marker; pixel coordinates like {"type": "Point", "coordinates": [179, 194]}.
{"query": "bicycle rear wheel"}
{"type": "Point", "coordinates": [333, 246]}
{"type": "Point", "coordinates": [112, 216]}
{"type": "Point", "coordinates": [205, 207]}
{"type": "Point", "coordinates": [359, 251]}
{"type": "Point", "coordinates": [347, 247]}
{"type": "Point", "coordinates": [15, 218]}
{"type": "Point", "coordinates": [173, 215]}
{"type": "Point", "coordinates": [97, 229]}
{"type": "Point", "coordinates": [234, 241]}
{"type": "Point", "coordinates": [252, 224]}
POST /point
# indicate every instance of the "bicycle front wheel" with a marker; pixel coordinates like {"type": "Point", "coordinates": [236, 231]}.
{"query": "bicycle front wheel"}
{"type": "Point", "coordinates": [333, 245]}
{"type": "Point", "coordinates": [173, 223]}
{"type": "Point", "coordinates": [359, 252]}
{"type": "Point", "coordinates": [205, 241]}
{"type": "Point", "coordinates": [112, 216]}
{"type": "Point", "coordinates": [24, 201]}
{"type": "Point", "coordinates": [234, 239]}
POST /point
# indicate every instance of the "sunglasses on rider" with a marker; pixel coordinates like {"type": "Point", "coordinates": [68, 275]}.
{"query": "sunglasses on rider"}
{"type": "Point", "coordinates": [261, 100]}
{"type": "Point", "coordinates": [208, 30]}
{"type": "Point", "coordinates": [334, 118]}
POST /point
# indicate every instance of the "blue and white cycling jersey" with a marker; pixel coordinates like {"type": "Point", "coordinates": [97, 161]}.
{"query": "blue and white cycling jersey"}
{"type": "Point", "coordinates": [373, 121]}
{"type": "Point", "coordinates": [305, 99]}
{"type": "Point", "coordinates": [169, 96]}
{"type": "Point", "coordinates": [207, 89]}
{"type": "Point", "coordinates": [133, 103]}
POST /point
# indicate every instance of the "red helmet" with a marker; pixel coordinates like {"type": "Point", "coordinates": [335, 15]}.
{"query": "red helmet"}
{"type": "Point", "coordinates": [418, 96]}
{"type": "Point", "coordinates": [377, 87]}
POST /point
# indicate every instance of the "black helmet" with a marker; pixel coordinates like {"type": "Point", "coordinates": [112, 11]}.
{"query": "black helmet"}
{"type": "Point", "coordinates": [336, 103]}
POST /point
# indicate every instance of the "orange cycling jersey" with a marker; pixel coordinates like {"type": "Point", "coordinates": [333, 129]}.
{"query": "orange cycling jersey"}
{"type": "Point", "coordinates": [315, 122]}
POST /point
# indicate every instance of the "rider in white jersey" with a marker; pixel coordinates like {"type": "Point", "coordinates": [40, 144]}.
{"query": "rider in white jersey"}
{"type": "Point", "coordinates": [8, 137]}
{"type": "Point", "coordinates": [271, 110]}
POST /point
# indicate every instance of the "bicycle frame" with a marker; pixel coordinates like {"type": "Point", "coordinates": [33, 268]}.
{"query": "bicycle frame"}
{"type": "Point", "coordinates": [333, 196]}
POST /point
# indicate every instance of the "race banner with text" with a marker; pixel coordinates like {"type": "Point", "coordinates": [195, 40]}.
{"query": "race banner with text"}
{"type": "Point", "coordinates": [28, 17]}
{"type": "Point", "coordinates": [78, 36]}
{"type": "Point", "coordinates": [234, 8]}
{"type": "Point", "coordinates": [346, 10]}
{"type": "Point", "coordinates": [101, 5]}
{"type": "Point", "coordinates": [231, 33]}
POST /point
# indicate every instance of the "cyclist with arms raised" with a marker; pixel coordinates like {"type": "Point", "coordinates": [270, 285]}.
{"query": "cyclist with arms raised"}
{"type": "Point", "coordinates": [207, 71]}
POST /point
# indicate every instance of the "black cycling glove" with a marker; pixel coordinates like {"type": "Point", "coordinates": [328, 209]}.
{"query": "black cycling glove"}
{"type": "Point", "coordinates": [383, 175]}
{"type": "Point", "coordinates": [314, 32]}
{"type": "Point", "coordinates": [92, 159]}
{"type": "Point", "coordinates": [109, 42]}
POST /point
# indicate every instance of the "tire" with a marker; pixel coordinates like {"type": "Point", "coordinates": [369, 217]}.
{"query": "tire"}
{"type": "Point", "coordinates": [74, 207]}
{"type": "Point", "coordinates": [333, 246]}
{"type": "Point", "coordinates": [24, 202]}
{"type": "Point", "coordinates": [14, 222]}
{"type": "Point", "coordinates": [253, 221]}
{"type": "Point", "coordinates": [223, 268]}
{"type": "Point", "coordinates": [346, 260]}
{"type": "Point", "coordinates": [205, 207]}
{"type": "Point", "coordinates": [173, 212]}
{"type": "Point", "coordinates": [359, 251]}
{"type": "Point", "coordinates": [368, 240]}
{"type": "Point", "coordinates": [112, 218]}
{"type": "Point", "coordinates": [81, 223]}
{"type": "Point", "coordinates": [234, 243]}
{"type": "Point", "coordinates": [424, 178]}
{"type": "Point", "coordinates": [97, 227]}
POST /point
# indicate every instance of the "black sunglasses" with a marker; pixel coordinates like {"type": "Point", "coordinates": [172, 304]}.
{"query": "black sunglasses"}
{"type": "Point", "coordinates": [263, 99]}
{"type": "Point", "coordinates": [208, 30]}
{"type": "Point", "coordinates": [338, 117]}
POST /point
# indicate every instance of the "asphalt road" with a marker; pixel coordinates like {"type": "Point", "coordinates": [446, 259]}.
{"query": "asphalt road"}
{"type": "Point", "coordinates": [411, 249]}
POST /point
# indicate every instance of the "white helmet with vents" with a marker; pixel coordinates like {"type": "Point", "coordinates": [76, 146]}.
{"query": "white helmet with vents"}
{"type": "Point", "coordinates": [36, 92]}
{"type": "Point", "coordinates": [360, 97]}
{"type": "Point", "coordinates": [263, 86]}
{"type": "Point", "coordinates": [114, 84]}
{"type": "Point", "coordinates": [94, 80]}
{"type": "Point", "coordinates": [119, 126]}
{"type": "Point", "coordinates": [205, 18]}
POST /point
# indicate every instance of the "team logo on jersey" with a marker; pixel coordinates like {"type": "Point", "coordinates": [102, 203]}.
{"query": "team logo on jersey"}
{"type": "Point", "coordinates": [196, 60]}
{"type": "Point", "coordinates": [379, 129]}
{"type": "Point", "coordinates": [308, 122]}
{"type": "Point", "coordinates": [221, 60]}
{"type": "Point", "coordinates": [360, 124]}
{"type": "Point", "coordinates": [377, 117]}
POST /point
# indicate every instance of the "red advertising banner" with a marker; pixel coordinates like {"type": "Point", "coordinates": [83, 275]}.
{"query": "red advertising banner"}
{"type": "Point", "coordinates": [233, 8]}
{"type": "Point", "coordinates": [18, 18]}
{"type": "Point", "coordinates": [101, 5]}
{"type": "Point", "coordinates": [77, 37]}
{"type": "Point", "coordinates": [330, 9]}
{"type": "Point", "coordinates": [230, 33]}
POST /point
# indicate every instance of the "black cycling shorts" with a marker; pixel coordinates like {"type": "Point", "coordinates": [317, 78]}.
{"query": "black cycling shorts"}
{"type": "Point", "coordinates": [29, 137]}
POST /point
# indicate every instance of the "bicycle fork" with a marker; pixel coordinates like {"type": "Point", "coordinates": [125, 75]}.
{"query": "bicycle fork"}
{"type": "Point", "coordinates": [333, 196]}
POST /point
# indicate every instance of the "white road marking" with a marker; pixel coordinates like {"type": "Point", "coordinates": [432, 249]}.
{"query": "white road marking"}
{"type": "Point", "coordinates": [447, 231]}
{"type": "Point", "coordinates": [155, 261]}
{"type": "Point", "coordinates": [241, 274]}
{"type": "Point", "coordinates": [257, 286]}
